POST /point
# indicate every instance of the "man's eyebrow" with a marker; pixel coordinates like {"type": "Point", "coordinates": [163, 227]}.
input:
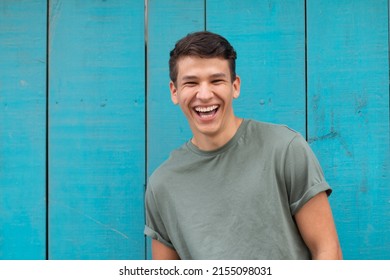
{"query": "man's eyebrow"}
{"type": "Point", "coordinates": [213, 76]}
{"type": "Point", "coordinates": [218, 75]}
{"type": "Point", "coordinates": [189, 78]}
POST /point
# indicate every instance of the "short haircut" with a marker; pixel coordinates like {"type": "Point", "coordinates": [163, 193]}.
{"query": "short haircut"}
{"type": "Point", "coordinates": [203, 44]}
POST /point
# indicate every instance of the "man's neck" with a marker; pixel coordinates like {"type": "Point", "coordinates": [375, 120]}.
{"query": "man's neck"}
{"type": "Point", "coordinates": [213, 142]}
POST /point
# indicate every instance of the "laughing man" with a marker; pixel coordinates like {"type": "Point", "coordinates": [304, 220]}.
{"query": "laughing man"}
{"type": "Point", "coordinates": [239, 189]}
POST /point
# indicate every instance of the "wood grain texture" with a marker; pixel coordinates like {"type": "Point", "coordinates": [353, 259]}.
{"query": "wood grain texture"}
{"type": "Point", "coordinates": [22, 129]}
{"type": "Point", "coordinates": [269, 37]}
{"type": "Point", "coordinates": [348, 117]}
{"type": "Point", "coordinates": [97, 130]}
{"type": "Point", "coordinates": [168, 21]}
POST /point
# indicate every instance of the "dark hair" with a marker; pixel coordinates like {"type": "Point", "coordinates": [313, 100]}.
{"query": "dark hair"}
{"type": "Point", "coordinates": [202, 44]}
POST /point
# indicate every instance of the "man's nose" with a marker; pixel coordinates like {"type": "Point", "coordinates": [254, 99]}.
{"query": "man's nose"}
{"type": "Point", "coordinates": [204, 92]}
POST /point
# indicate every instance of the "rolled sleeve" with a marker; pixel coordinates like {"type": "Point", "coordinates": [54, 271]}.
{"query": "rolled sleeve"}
{"type": "Point", "coordinates": [303, 174]}
{"type": "Point", "coordinates": [154, 227]}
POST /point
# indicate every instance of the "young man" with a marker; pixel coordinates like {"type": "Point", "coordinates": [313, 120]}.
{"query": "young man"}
{"type": "Point", "coordinates": [239, 189]}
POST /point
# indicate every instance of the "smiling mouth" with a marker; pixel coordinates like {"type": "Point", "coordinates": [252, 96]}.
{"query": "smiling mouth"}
{"type": "Point", "coordinates": [206, 112]}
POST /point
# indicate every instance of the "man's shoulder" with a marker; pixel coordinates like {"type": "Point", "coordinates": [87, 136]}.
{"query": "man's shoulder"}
{"type": "Point", "coordinates": [270, 132]}
{"type": "Point", "coordinates": [170, 166]}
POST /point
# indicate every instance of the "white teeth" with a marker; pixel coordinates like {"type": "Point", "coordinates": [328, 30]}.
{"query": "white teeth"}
{"type": "Point", "coordinates": [206, 109]}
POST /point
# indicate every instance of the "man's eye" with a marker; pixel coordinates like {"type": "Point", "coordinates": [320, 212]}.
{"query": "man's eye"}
{"type": "Point", "coordinates": [189, 83]}
{"type": "Point", "coordinates": [217, 81]}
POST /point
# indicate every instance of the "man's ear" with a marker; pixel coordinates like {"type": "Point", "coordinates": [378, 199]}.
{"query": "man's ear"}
{"type": "Point", "coordinates": [173, 90]}
{"type": "Point", "coordinates": [236, 87]}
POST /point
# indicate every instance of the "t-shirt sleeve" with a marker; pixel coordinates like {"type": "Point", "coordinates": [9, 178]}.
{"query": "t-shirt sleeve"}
{"type": "Point", "coordinates": [303, 174]}
{"type": "Point", "coordinates": [154, 226]}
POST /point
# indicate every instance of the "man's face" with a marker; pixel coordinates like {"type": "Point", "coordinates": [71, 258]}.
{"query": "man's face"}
{"type": "Point", "coordinates": [205, 92]}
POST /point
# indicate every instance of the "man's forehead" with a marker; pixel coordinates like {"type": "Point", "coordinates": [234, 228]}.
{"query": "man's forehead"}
{"type": "Point", "coordinates": [200, 58]}
{"type": "Point", "coordinates": [193, 67]}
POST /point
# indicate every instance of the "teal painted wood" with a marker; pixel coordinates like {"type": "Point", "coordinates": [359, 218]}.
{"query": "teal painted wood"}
{"type": "Point", "coordinates": [348, 118]}
{"type": "Point", "coordinates": [167, 126]}
{"type": "Point", "coordinates": [22, 129]}
{"type": "Point", "coordinates": [168, 21]}
{"type": "Point", "coordinates": [269, 37]}
{"type": "Point", "coordinates": [97, 130]}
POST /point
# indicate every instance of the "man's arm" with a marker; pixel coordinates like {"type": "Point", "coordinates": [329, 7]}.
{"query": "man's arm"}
{"type": "Point", "coordinates": [316, 225]}
{"type": "Point", "coordinates": [163, 252]}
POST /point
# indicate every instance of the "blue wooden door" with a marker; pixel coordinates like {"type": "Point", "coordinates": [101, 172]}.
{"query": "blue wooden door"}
{"type": "Point", "coordinates": [85, 112]}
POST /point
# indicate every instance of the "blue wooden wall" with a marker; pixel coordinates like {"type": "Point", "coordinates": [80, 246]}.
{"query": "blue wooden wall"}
{"type": "Point", "coordinates": [85, 114]}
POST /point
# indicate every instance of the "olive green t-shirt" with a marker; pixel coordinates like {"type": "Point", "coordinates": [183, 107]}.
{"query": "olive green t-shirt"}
{"type": "Point", "coordinates": [236, 202]}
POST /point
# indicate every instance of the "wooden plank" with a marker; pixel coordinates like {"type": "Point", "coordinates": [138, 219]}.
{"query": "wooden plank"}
{"type": "Point", "coordinates": [348, 89]}
{"type": "Point", "coordinates": [167, 126]}
{"type": "Point", "coordinates": [269, 37]}
{"type": "Point", "coordinates": [22, 129]}
{"type": "Point", "coordinates": [97, 130]}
